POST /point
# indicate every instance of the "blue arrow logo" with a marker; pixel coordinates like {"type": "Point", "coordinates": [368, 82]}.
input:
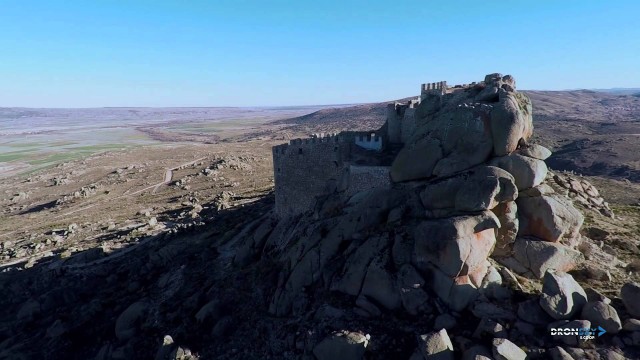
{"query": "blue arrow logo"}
{"type": "Point", "coordinates": [601, 331]}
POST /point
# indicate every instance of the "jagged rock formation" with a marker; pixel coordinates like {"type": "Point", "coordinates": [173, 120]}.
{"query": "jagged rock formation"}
{"type": "Point", "coordinates": [465, 183]}
{"type": "Point", "coordinates": [467, 189]}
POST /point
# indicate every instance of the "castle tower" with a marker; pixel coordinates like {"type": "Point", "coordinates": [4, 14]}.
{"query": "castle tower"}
{"type": "Point", "coordinates": [437, 88]}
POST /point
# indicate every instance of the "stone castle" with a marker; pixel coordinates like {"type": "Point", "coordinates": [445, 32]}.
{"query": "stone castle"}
{"type": "Point", "coordinates": [435, 212]}
{"type": "Point", "coordinates": [348, 161]}
{"type": "Point", "coordinates": [449, 180]}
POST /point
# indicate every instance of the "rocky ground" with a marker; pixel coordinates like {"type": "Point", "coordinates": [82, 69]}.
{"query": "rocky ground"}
{"type": "Point", "coordinates": [107, 258]}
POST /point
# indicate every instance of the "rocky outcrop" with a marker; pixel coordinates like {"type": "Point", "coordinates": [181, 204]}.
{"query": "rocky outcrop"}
{"type": "Point", "coordinates": [463, 129]}
{"type": "Point", "coordinates": [465, 184]}
{"type": "Point", "coordinates": [468, 192]}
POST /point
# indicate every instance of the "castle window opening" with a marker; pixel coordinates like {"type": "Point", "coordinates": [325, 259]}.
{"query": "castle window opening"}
{"type": "Point", "coordinates": [300, 151]}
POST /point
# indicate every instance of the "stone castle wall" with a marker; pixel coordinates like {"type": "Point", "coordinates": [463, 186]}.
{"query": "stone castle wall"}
{"type": "Point", "coordinates": [367, 177]}
{"type": "Point", "coordinates": [302, 169]}
{"type": "Point", "coordinates": [394, 115]}
{"type": "Point", "coordinates": [408, 125]}
{"type": "Point", "coordinates": [401, 120]}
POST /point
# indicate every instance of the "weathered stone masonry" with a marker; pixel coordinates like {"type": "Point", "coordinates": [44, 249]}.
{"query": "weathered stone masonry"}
{"type": "Point", "coordinates": [306, 168]}
{"type": "Point", "coordinates": [363, 178]}
{"type": "Point", "coordinates": [302, 169]}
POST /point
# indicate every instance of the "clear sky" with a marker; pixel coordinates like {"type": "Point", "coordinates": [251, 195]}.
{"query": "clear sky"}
{"type": "Point", "coordinates": [91, 53]}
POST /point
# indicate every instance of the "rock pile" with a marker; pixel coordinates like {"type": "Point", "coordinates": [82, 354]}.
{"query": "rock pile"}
{"type": "Point", "coordinates": [223, 200]}
{"type": "Point", "coordinates": [582, 192]}
{"type": "Point", "coordinates": [233, 163]}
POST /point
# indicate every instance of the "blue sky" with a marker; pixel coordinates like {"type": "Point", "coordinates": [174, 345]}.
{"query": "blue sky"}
{"type": "Point", "coordinates": [274, 52]}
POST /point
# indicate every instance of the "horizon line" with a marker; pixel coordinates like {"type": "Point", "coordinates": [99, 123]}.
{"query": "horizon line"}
{"type": "Point", "coordinates": [292, 106]}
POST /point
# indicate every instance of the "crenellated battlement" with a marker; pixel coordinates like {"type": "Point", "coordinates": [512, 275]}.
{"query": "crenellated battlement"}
{"type": "Point", "coordinates": [315, 140]}
{"type": "Point", "coordinates": [323, 135]}
{"type": "Point", "coordinates": [295, 145]}
{"type": "Point", "coordinates": [437, 88]}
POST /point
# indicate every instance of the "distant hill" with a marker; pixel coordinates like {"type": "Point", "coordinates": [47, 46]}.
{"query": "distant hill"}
{"type": "Point", "coordinates": [620, 91]}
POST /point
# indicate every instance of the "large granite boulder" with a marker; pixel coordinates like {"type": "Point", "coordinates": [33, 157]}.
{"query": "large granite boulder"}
{"type": "Point", "coordinates": [350, 281]}
{"type": "Point", "coordinates": [504, 349]}
{"type": "Point", "coordinates": [630, 295]}
{"type": "Point", "coordinates": [511, 121]}
{"type": "Point", "coordinates": [129, 322]}
{"type": "Point", "coordinates": [562, 297]}
{"type": "Point", "coordinates": [456, 292]}
{"type": "Point", "coordinates": [414, 297]}
{"type": "Point", "coordinates": [531, 312]}
{"type": "Point", "coordinates": [548, 217]}
{"type": "Point", "coordinates": [380, 285]}
{"type": "Point", "coordinates": [535, 151]}
{"type": "Point", "coordinates": [540, 256]}
{"type": "Point", "coordinates": [457, 245]}
{"type": "Point", "coordinates": [451, 142]}
{"type": "Point", "coordinates": [603, 315]}
{"type": "Point", "coordinates": [527, 171]}
{"type": "Point", "coordinates": [436, 346]}
{"type": "Point", "coordinates": [416, 161]}
{"type": "Point", "coordinates": [478, 189]}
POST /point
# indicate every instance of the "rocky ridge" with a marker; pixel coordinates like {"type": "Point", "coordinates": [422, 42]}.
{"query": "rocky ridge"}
{"type": "Point", "coordinates": [471, 210]}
